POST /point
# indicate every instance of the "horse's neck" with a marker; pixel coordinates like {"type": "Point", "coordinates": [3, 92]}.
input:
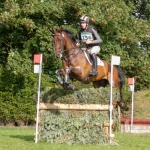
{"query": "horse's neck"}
{"type": "Point", "coordinates": [69, 46]}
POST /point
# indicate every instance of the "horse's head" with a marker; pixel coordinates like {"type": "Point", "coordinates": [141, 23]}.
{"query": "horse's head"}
{"type": "Point", "coordinates": [63, 39]}
{"type": "Point", "coordinates": [58, 39]}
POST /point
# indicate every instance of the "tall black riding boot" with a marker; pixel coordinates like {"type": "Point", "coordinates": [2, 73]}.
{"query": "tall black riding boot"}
{"type": "Point", "coordinates": [94, 72]}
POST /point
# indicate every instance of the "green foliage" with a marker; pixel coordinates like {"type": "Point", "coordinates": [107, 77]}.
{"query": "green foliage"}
{"type": "Point", "coordinates": [86, 95]}
{"type": "Point", "coordinates": [17, 86]}
{"type": "Point", "coordinates": [82, 96]}
{"type": "Point", "coordinates": [17, 109]}
{"type": "Point", "coordinates": [86, 127]}
{"type": "Point", "coordinates": [73, 127]}
{"type": "Point", "coordinates": [141, 103]}
{"type": "Point", "coordinates": [25, 26]}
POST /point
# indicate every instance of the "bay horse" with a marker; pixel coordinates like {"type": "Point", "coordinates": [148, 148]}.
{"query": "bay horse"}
{"type": "Point", "coordinates": [77, 64]}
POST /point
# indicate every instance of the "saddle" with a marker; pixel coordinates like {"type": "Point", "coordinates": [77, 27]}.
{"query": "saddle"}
{"type": "Point", "coordinates": [89, 59]}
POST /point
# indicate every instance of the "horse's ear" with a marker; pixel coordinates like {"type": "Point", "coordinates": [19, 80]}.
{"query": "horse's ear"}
{"type": "Point", "coordinates": [61, 29]}
{"type": "Point", "coordinates": [53, 31]}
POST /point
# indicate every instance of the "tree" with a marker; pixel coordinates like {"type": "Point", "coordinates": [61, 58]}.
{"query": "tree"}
{"type": "Point", "coordinates": [25, 30]}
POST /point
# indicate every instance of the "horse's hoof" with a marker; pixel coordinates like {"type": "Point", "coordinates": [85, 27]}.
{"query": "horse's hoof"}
{"type": "Point", "coordinates": [64, 86]}
{"type": "Point", "coordinates": [70, 87]}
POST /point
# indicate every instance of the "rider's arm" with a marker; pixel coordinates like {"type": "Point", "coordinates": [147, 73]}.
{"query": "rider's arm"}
{"type": "Point", "coordinates": [98, 39]}
{"type": "Point", "coordinates": [78, 40]}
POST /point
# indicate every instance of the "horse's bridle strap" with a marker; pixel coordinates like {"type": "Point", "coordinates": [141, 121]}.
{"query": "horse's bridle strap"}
{"type": "Point", "coordinates": [62, 42]}
{"type": "Point", "coordinates": [62, 50]}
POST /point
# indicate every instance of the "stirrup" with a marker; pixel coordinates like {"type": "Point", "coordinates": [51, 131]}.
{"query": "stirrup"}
{"type": "Point", "coordinates": [93, 73]}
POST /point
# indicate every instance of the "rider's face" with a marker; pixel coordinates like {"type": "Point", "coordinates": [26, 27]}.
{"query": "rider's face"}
{"type": "Point", "coordinates": [83, 25]}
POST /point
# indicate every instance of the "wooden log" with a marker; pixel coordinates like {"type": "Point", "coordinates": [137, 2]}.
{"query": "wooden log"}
{"type": "Point", "coordinates": [58, 106]}
{"type": "Point", "coordinates": [106, 128]}
{"type": "Point", "coordinates": [106, 124]}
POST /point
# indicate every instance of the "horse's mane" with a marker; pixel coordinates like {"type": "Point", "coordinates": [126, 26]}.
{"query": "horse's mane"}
{"type": "Point", "coordinates": [70, 34]}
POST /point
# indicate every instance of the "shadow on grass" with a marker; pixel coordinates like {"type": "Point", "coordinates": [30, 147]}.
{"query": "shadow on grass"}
{"type": "Point", "coordinates": [28, 138]}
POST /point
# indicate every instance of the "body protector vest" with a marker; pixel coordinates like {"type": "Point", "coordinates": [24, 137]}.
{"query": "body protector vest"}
{"type": "Point", "coordinates": [87, 34]}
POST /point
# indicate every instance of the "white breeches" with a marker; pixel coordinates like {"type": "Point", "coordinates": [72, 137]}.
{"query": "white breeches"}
{"type": "Point", "coordinates": [94, 49]}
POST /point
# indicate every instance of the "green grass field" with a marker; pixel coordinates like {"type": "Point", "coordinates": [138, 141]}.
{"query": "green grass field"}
{"type": "Point", "coordinates": [141, 105]}
{"type": "Point", "coordinates": [22, 138]}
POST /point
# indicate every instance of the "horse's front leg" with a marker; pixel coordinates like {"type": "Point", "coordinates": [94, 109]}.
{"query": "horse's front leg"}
{"type": "Point", "coordinates": [67, 78]}
{"type": "Point", "coordinates": [59, 73]}
{"type": "Point", "coordinates": [65, 84]}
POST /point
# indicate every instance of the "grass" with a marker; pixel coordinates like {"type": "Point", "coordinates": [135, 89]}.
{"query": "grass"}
{"type": "Point", "coordinates": [21, 138]}
{"type": "Point", "coordinates": [141, 105]}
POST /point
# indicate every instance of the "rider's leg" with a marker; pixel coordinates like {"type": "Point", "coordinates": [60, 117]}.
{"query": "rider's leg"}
{"type": "Point", "coordinates": [93, 53]}
{"type": "Point", "coordinates": [94, 58]}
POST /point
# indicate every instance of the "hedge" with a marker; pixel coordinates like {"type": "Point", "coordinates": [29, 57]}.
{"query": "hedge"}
{"type": "Point", "coordinates": [72, 126]}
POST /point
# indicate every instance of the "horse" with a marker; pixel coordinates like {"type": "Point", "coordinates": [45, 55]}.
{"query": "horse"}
{"type": "Point", "coordinates": [77, 64]}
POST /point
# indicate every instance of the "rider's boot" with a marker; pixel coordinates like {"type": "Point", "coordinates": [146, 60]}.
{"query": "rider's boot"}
{"type": "Point", "coordinates": [94, 71]}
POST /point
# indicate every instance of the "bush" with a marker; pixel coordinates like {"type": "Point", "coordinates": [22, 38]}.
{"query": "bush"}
{"type": "Point", "coordinates": [17, 109]}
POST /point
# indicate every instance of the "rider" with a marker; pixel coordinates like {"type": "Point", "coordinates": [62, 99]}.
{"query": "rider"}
{"type": "Point", "coordinates": [90, 37]}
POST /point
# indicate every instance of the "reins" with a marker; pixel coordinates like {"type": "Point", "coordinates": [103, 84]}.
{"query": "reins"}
{"type": "Point", "coordinates": [62, 51]}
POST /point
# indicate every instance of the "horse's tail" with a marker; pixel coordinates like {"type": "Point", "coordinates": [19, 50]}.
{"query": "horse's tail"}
{"type": "Point", "coordinates": [121, 82]}
{"type": "Point", "coordinates": [121, 75]}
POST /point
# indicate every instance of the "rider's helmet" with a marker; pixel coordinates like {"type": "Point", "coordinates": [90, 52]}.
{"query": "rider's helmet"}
{"type": "Point", "coordinates": [84, 19]}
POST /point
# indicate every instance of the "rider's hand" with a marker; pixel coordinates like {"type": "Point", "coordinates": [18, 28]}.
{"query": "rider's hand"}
{"type": "Point", "coordinates": [77, 44]}
{"type": "Point", "coordinates": [88, 42]}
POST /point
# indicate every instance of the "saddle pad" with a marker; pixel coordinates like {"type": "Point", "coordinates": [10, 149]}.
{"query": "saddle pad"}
{"type": "Point", "coordinates": [99, 62]}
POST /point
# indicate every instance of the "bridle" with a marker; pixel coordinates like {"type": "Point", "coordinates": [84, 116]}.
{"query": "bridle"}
{"type": "Point", "coordinates": [61, 50]}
